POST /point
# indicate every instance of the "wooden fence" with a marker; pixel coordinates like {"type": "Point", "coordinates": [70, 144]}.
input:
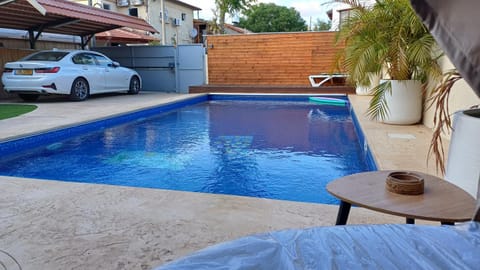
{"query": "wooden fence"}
{"type": "Point", "coordinates": [270, 59]}
{"type": "Point", "coordinates": [9, 55]}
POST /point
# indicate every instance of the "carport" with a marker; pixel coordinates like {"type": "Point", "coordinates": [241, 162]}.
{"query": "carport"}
{"type": "Point", "coordinates": [64, 17]}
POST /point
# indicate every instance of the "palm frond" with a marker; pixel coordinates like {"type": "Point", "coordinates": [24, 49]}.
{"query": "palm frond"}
{"type": "Point", "coordinates": [378, 109]}
{"type": "Point", "coordinates": [442, 121]}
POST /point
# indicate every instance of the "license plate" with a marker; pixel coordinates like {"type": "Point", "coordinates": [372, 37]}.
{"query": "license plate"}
{"type": "Point", "coordinates": [24, 72]}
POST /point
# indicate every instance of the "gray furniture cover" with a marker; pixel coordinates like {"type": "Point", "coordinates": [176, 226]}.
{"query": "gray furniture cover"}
{"type": "Point", "coordinates": [390, 246]}
{"type": "Point", "coordinates": [454, 25]}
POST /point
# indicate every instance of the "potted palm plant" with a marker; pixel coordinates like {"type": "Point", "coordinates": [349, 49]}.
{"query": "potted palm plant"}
{"type": "Point", "coordinates": [389, 39]}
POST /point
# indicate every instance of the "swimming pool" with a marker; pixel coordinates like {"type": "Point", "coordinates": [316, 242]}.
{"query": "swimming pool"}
{"type": "Point", "coordinates": [280, 147]}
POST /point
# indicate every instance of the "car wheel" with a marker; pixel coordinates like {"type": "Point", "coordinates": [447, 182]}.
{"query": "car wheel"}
{"type": "Point", "coordinates": [28, 97]}
{"type": "Point", "coordinates": [134, 85]}
{"type": "Point", "coordinates": [80, 90]}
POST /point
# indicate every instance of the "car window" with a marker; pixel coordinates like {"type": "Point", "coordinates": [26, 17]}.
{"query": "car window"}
{"type": "Point", "coordinates": [46, 56]}
{"type": "Point", "coordinates": [102, 61]}
{"type": "Point", "coordinates": [83, 59]}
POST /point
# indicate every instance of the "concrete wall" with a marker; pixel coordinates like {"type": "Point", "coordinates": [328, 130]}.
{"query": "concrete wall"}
{"type": "Point", "coordinates": [270, 59]}
{"type": "Point", "coordinates": [178, 33]}
{"type": "Point", "coordinates": [150, 11]}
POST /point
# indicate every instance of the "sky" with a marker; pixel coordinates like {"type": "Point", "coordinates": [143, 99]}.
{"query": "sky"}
{"type": "Point", "coordinates": [308, 8]}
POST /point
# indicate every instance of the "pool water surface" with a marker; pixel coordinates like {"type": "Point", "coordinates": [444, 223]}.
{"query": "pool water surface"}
{"type": "Point", "coordinates": [286, 150]}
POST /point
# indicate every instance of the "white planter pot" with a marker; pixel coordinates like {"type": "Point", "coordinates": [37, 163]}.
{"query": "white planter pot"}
{"type": "Point", "coordinates": [463, 163]}
{"type": "Point", "coordinates": [404, 103]}
{"type": "Point", "coordinates": [367, 90]}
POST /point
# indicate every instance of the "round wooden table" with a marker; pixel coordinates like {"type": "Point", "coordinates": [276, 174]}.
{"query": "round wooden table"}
{"type": "Point", "coordinates": [441, 200]}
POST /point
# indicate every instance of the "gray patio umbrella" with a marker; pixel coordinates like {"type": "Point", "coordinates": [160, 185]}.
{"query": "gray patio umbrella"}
{"type": "Point", "coordinates": [454, 25]}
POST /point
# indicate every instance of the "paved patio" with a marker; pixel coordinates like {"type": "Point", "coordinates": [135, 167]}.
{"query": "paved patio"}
{"type": "Point", "coordinates": [61, 225]}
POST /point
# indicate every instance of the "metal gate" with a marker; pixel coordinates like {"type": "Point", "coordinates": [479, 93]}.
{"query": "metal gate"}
{"type": "Point", "coordinates": [162, 68]}
{"type": "Point", "coordinates": [190, 66]}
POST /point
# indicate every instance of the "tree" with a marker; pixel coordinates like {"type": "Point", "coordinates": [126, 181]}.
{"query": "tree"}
{"type": "Point", "coordinates": [224, 7]}
{"type": "Point", "coordinates": [321, 25]}
{"type": "Point", "coordinates": [213, 25]}
{"type": "Point", "coordinates": [272, 18]}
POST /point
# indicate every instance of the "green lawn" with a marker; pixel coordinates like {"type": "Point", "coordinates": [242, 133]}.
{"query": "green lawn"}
{"type": "Point", "coordinates": [12, 110]}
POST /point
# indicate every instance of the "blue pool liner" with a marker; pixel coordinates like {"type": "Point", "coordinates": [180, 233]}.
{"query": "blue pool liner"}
{"type": "Point", "coordinates": [19, 145]}
{"type": "Point", "coordinates": [31, 141]}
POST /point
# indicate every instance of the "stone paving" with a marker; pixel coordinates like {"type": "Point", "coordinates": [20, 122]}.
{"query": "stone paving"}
{"type": "Point", "coordinates": [62, 225]}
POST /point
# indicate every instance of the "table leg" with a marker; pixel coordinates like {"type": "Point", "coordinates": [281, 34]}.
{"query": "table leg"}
{"type": "Point", "coordinates": [343, 212]}
{"type": "Point", "coordinates": [412, 221]}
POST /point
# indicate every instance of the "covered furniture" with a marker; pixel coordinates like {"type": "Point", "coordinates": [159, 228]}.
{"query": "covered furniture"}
{"type": "Point", "coordinates": [389, 246]}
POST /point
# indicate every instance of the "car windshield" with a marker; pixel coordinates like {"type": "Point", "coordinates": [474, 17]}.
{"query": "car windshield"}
{"type": "Point", "coordinates": [46, 56]}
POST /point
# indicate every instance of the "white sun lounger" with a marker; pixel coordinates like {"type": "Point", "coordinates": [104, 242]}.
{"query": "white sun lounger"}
{"type": "Point", "coordinates": [324, 78]}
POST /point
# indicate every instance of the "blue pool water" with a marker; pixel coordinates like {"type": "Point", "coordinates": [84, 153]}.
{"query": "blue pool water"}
{"type": "Point", "coordinates": [285, 150]}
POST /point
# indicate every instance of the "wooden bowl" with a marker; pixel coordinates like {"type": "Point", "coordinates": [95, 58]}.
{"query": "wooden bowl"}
{"type": "Point", "coordinates": [406, 183]}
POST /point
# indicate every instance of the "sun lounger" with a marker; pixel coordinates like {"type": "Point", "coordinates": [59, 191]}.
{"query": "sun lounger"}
{"type": "Point", "coordinates": [324, 77]}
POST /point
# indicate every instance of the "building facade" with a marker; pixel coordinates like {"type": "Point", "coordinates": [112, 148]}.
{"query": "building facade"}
{"type": "Point", "coordinates": [177, 16]}
{"type": "Point", "coordinates": [341, 11]}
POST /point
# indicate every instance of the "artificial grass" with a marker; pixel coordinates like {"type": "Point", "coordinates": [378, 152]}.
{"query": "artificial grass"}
{"type": "Point", "coordinates": [12, 110]}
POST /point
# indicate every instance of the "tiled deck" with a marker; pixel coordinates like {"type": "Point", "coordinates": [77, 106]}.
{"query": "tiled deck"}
{"type": "Point", "coordinates": [62, 225]}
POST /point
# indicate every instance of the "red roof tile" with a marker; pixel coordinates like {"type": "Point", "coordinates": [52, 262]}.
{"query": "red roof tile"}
{"type": "Point", "coordinates": [65, 17]}
{"type": "Point", "coordinates": [125, 35]}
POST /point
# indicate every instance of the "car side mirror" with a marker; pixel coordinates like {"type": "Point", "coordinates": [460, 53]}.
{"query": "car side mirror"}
{"type": "Point", "coordinates": [115, 64]}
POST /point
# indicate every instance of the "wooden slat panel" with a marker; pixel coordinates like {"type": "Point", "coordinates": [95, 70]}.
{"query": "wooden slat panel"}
{"type": "Point", "coordinates": [10, 55]}
{"type": "Point", "coordinates": [270, 59]}
{"type": "Point", "coordinates": [271, 89]}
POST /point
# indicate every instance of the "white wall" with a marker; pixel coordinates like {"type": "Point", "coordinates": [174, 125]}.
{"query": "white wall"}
{"type": "Point", "coordinates": [150, 12]}
{"type": "Point", "coordinates": [341, 6]}
{"type": "Point", "coordinates": [180, 33]}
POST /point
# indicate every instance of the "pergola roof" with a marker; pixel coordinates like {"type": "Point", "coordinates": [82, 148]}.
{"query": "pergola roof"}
{"type": "Point", "coordinates": [64, 17]}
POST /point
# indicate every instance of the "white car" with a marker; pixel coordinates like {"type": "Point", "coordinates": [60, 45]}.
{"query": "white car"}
{"type": "Point", "coordinates": [76, 73]}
